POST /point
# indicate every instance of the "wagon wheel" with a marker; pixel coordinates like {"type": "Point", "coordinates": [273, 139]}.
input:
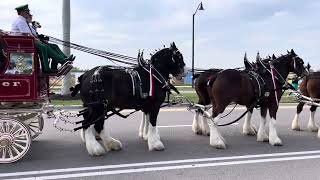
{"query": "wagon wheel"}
{"type": "Point", "coordinates": [15, 140]}
{"type": "Point", "coordinates": [36, 126]}
{"type": "Point", "coordinates": [33, 120]}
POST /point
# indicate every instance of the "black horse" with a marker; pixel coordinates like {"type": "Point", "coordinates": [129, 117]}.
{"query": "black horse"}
{"type": "Point", "coordinates": [240, 87]}
{"type": "Point", "coordinates": [106, 89]}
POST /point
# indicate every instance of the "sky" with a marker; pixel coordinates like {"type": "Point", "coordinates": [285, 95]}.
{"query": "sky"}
{"type": "Point", "coordinates": [224, 31]}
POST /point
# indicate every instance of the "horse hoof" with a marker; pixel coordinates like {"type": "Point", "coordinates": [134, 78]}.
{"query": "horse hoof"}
{"type": "Point", "coordinates": [295, 126]}
{"type": "Point", "coordinates": [95, 149]}
{"type": "Point", "coordinates": [196, 130]}
{"type": "Point", "coordinates": [262, 137]}
{"type": "Point", "coordinates": [251, 131]}
{"type": "Point", "coordinates": [218, 145]}
{"type": "Point", "coordinates": [313, 128]}
{"type": "Point", "coordinates": [206, 133]}
{"type": "Point", "coordinates": [275, 142]}
{"type": "Point", "coordinates": [113, 145]}
{"type": "Point", "coordinates": [156, 146]}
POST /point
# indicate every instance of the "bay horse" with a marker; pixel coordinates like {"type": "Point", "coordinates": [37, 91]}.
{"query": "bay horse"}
{"type": "Point", "coordinates": [106, 89]}
{"type": "Point", "coordinates": [202, 81]}
{"type": "Point", "coordinates": [236, 86]}
{"type": "Point", "coordinates": [310, 87]}
{"type": "Point", "coordinates": [201, 126]}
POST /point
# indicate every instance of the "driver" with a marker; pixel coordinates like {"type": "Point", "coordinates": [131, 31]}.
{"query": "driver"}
{"type": "Point", "coordinates": [21, 25]}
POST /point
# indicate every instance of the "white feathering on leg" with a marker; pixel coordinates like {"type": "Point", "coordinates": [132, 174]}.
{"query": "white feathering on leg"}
{"type": "Point", "coordinates": [216, 139]}
{"type": "Point", "coordinates": [109, 142]}
{"type": "Point", "coordinates": [154, 141]}
{"type": "Point", "coordinates": [195, 124]}
{"type": "Point", "coordinates": [93, 146]}
{"type": "Point", "coordinates": [142, 124]}
{"type": "Point", "coordinates": [146, 127]}
{"type": "Point", "coordinates": [311, 124]}
{"type": "Point", "coordinates": [273, 136]}
{"type": "Point", "coordinates": [295, 123]}
{"type": "Point", "coordinates": [262, 135]}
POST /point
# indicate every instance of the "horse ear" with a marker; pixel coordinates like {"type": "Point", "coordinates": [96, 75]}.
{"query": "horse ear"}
{"type": "Point", "coordinates": [273, 56]}
{"type": "Point", "coordinates": [173, 45]}
{"type": "Point", "coordinates": [292, 51]}
{"type": "Point", "coordinates": [308, 66]}
{"type": "Point", "coordinates": [245, 56]}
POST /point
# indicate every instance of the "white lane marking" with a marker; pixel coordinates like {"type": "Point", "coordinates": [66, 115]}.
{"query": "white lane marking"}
{"type": "Point", "coordinates": [184, 109]}
{"type": "Point", "coordinates": [157, 163]}
{"type": "Point", "coordinates": [189, 166]}
{"type": "Point", "coordinates": [174, 126]}
{"type": "Point", "coordinates": [228, 108]}
{"type": "Point", "coordinates": [177, 126]}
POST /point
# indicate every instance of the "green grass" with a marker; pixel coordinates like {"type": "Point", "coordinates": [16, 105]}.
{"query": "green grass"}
{"type": "Point", "coordinates": [191, 96]}
{"type": "Point", "coordinates": [66, 102]}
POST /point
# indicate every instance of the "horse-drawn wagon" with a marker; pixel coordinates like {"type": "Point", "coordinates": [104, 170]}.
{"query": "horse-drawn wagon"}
{"type": "Point", "coordinates": [24, 95]}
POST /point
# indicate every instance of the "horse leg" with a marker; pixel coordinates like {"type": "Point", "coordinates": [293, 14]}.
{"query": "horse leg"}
{"type": "Point", "coordinates": [248, 128]}
{"type": "Point", "coordinates": [311, 124]}
{"type": "Point", "coordinates": [142, 124]}
{"type": "Point", "coordinates": [273, 136]}
{"type": "Point", "coordinates": [295, 123]}
{"type": "Point", "coordinates": [216, 140]}
{"type": "Point", "coordinates": [86, 116]}
{"type": "Point", "coordinates": [146, 118]}
{"type": "Point", "coordinates": [154, 142]}
{"type": "Point", "coordinates": [195, 124]}
{"type": "Point", "coordinates": [93, 146]}
{"type": "Point", "coordinates": [109, 142]}
{"type": "Point", "coordinates": [262, 135]}
{"type": "Point", "coordinates": [204, 125]}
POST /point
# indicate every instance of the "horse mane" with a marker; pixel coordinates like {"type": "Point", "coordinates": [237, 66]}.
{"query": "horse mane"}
{"type": "Point", "coordinates": [159, 53]}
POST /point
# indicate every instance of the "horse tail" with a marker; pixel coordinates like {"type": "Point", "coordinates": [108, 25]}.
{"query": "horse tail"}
{"type": "Point", "coordinates": [75, 90]}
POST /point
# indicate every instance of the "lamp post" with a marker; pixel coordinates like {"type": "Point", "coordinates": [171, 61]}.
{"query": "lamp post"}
{"type": "Point", "coordinates": [200, 7]}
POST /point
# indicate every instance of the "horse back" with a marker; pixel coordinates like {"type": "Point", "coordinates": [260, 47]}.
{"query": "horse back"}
{"type": "Point", "coordinates": [310, 85]}
{"type": "Point", "coordinates": [232, 85]}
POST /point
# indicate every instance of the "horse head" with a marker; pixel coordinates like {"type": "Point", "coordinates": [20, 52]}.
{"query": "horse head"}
{"type": "Point", "coordinates": [169, 61]}
{"type": "Point", "coordinates": [296, 64]}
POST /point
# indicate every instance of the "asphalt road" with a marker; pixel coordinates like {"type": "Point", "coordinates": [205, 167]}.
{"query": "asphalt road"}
{"type": "Point", "coordinates": [56, 155]}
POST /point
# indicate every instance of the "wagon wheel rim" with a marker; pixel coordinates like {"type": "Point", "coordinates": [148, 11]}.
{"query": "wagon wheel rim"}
{"type": "Point", "coordinates": [15, 140]}
{"type": "Point", "coordinates": [36, 126]}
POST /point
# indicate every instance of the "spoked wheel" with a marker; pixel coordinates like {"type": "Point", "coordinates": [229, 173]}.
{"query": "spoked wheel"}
{"type": "Point", "coordinates": [36, 126]}
{"type": "Point", "coordinates": [34, 121]}
{"type": "Point", "coordinates": [15, 140]}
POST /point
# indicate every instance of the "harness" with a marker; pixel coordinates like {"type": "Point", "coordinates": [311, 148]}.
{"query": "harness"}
{"type": "Point", "coordinates": [136, 84]}
{"type": "Point", "coordinates": [258, 84]}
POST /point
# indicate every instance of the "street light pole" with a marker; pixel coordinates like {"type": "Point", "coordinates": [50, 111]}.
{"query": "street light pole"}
{"type": "Point", "coordinates": [200, 7]}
